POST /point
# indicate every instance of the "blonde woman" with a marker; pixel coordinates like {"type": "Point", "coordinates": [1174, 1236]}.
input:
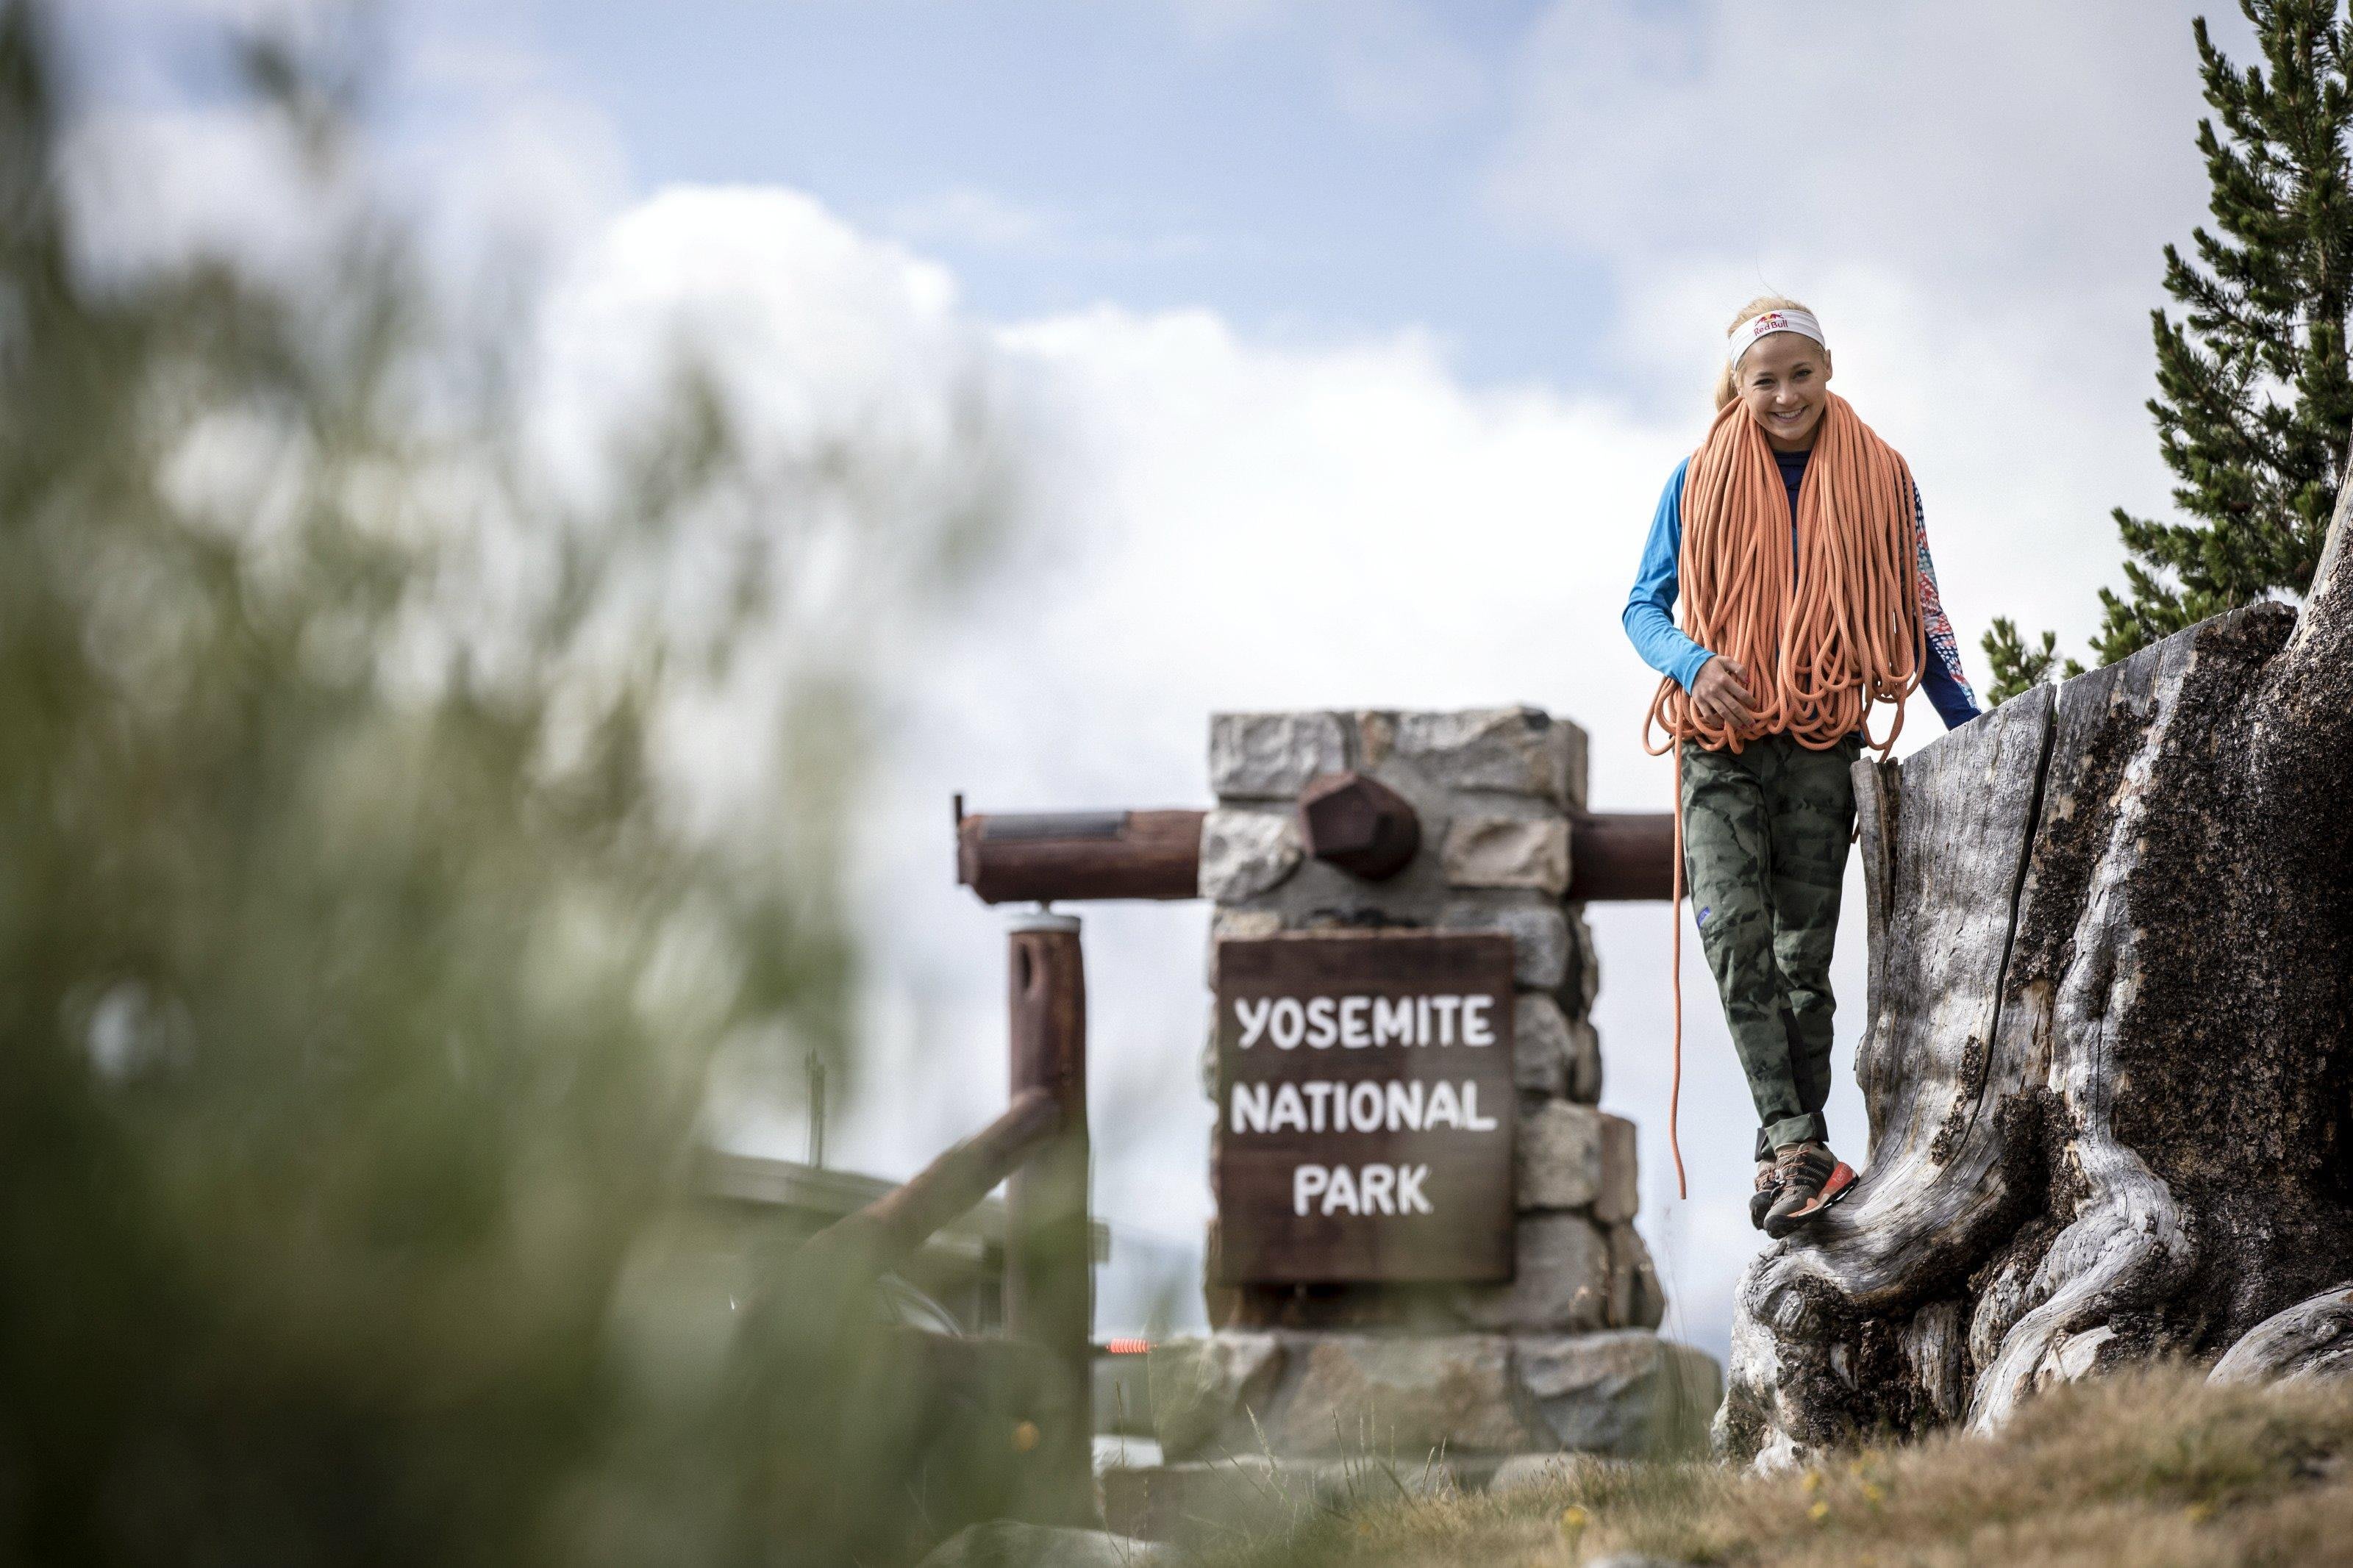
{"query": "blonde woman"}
{"type": "Point", "coordinates": [1796, 541]}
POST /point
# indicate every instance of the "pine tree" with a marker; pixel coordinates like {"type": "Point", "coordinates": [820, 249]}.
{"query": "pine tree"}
{"type": "Point", "coordinates": [2254, 398]}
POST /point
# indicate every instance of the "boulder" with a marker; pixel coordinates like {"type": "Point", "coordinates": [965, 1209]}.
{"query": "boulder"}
{"type": "Point", "coordinates": [1246, 853]}
{"type": "Point", "coordinates": [1271, 756]}
{"type": "Point", "coordinates": [1542, 1050]}
{"type": "Point", "coordinates": [1562, 1284]}
{"type": "Point", "coordinates": [1507, 852]}
{"type": "Point", "coordinates": [1203, 1386]}
{"type": "Point", "coordinates": [1572, 1157]}
{"type": "Point", "coordinates": [1398, 1396]}
{"type": "Point", "coordinates": [1627, 1393]}
{"type": "Point", "coordinates": [1518, 751]}
{"type": "Point", "coordinates": [1637, 1300]}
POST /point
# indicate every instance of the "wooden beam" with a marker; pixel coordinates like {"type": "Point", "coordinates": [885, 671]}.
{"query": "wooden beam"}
{"type": "Point", "coordinates": [885, 1232]}
{"type": "Point", "coordinates": [1049, 1274]}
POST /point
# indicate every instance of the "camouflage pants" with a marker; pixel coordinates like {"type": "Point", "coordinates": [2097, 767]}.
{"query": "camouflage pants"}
{"type": "Point", "coordinates": [1764, 841]}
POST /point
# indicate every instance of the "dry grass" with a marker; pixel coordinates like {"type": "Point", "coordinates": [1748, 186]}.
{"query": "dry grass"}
{"type": "Point", "coordinates": [2152, 1468]}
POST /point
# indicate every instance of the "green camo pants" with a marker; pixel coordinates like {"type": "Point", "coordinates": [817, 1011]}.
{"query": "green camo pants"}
{"type": "Point", "coordinates": [1764, 841]}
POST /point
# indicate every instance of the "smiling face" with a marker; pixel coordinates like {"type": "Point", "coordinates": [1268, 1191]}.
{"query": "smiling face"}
{"type": "Point", "coordinates": [1784, 382]}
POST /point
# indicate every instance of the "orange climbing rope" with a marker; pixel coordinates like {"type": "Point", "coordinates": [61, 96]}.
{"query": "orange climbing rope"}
{"type": "Point", "coordinates": [1821, 644]}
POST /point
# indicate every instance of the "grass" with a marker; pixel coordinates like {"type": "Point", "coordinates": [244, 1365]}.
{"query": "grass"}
{"type": "Point", "coordinates": [2148, 1469]}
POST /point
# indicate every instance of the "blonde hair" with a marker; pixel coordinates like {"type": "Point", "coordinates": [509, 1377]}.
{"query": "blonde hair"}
{"type": "Point", "coordinates": [1727, 381]}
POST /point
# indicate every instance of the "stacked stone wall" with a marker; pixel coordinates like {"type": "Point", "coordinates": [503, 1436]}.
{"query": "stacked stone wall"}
{"type": "Point", "coordinates": [1559, 1357]}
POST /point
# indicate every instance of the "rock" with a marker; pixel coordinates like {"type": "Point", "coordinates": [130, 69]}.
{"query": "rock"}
{"type": "Point", "coordinates": [1246, 853]}
{"type": "Point", "coordinates": [1562, 1284]}
{"type": "Point", "coordinates": [1637, 1300]}
{"type": "Point", "coordinates": [1199, 1385]}
{"type": "Point", "coordinates": [1543, 1053]}
{"type": "Point", "coordinates": [1627, 1393]}
{"type": "Point", "coordinates": [1572, 1157]}
{"type": "Point", "coordinates": [1584, 1063]}
{"type": "Point", "coordinates": [1365, 1393]}
{"type": "Point", "coordinates": [1271, 756]}
{"type": "Point", "coordinates": [1004, 1543]}
{"type": "Point", "coordinates": [1581, 969]}
{"type": "Point", "coordinates": [1519, 751]}
{"type": "Point", "coordinates": [1538, 1472]}
{"type": "Point", "coordinates": [1539, 933]}
{"type": "Point", "coordinates": [1507, 852]}
{"type": "Point", "coordinates": [1556, 1157]}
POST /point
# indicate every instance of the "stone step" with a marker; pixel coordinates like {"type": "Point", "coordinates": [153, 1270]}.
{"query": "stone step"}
{"type": "Point", "coordinates": [1301, 1395]}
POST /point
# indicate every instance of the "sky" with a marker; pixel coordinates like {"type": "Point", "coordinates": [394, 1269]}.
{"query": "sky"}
{"type": "Point", "coordinates": [1340, 347]}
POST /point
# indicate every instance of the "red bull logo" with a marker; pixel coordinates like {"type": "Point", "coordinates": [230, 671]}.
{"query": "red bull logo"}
{"type": "Point", "coordinates": [1770, 321]}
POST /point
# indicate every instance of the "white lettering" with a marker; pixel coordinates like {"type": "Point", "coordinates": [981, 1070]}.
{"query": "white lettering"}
{"type": "Point", "coordinates": [1445, 1007]}
{"type": "Point", "coordinates": [1377, 1188]}
{"type": "Point", "coordinates": [1442, 1109]}
{"type": "Point", "coordinates": [1365, 1103]}
{"type": "Point", "coordinates": [1250, 1108]}
{"type": "Point", "coordinates": [1471, 1119]}
{"type": "Point", "coordinates": [1288, 1022]}
{"type": "Point", "coordinates": [1478, 1029]}
{"type": "Point", "coordinates": [1393, 1020]}
{"type": "Point", "coordinates": [1252, 1015]}
{"type": "Point", "coordinates": [1322, 1033]}
{"type": "Point", "coordinates": [1318, 1093]}
{"type": "Point", "coordinates": [1342, 1192]}
{"type": "Point", "coordinates": [1410, 1199]}
{"type": "Point", "coordinates": [1422, 1020]}
{"type": "Point", "coordinates": [1290, 1110]}
{"type": "Point", "coordinates": [1405, 1105]}
{"type": "Point", "coordinates": [1306, 1182]}
{"type": "Point", "coordinates": [1353, 1033]}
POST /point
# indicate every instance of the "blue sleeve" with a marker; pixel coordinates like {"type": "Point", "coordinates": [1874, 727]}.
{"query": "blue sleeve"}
{"type": "Point", "coordinates": [1649, 618]}
{"type": "Point", "coordinates": [1947, 684]}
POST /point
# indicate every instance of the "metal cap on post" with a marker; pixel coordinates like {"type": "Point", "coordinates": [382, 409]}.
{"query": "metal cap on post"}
{"type": "Point", "coordinates": [1048, 1273]}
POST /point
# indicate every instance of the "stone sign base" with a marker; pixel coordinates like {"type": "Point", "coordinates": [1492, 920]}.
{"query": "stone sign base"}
{"type": "Point", "coordinates": [1250, 1422]}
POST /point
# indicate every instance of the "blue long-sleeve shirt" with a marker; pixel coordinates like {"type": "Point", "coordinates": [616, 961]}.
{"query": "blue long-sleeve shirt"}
{"type": "Point", "coordinates": [1650, 619]}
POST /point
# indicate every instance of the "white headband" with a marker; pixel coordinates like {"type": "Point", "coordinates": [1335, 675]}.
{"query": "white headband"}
{"type": "Point", "coordinates": [1802, 322]}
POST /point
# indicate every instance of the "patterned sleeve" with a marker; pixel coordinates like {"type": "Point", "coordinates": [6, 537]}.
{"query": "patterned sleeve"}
{"type": "Point", "coordinates": [1944, 647]}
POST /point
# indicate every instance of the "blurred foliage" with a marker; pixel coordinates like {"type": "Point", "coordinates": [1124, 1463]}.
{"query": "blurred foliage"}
{"type": "Point", "coordinates": [359, 980]}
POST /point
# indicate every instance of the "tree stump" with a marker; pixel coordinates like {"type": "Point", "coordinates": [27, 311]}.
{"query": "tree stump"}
{"type": "Point", "coordinates": [2105, 1068]}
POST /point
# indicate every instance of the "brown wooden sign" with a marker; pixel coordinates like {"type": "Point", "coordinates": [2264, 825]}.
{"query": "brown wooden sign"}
{"type": "Point", "coordinates": [1365, 1108]}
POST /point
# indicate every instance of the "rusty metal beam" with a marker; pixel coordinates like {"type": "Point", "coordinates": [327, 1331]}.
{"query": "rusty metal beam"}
{"type": "Point", "coordinates": [1041, 857]}
{"type": "Point", "coordinates": [1620, 856]}
{"type": "Point", "coordinates": [1006, 857]}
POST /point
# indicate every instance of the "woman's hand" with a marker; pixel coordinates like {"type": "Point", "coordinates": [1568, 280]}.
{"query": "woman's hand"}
{"type": "Point", "coordinates": [1720, 692]}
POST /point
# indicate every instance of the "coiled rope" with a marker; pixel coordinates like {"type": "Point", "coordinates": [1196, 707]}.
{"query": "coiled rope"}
{"type": "Point", "coordinates": [1821, 644]}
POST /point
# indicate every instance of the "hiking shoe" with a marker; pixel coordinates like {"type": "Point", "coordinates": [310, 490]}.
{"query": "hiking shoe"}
{"type": "Point", "coordinates": [1812, 1180]}
{"type": "Point", "coordinates": [1768, 1187]}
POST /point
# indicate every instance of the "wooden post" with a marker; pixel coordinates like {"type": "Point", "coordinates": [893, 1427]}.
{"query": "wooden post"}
{"type": "Point", "coordinates": [1048, 1277]}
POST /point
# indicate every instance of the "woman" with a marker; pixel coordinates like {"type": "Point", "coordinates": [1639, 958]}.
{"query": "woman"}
{"type": "Point", "coordinates": [1769, 683]}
